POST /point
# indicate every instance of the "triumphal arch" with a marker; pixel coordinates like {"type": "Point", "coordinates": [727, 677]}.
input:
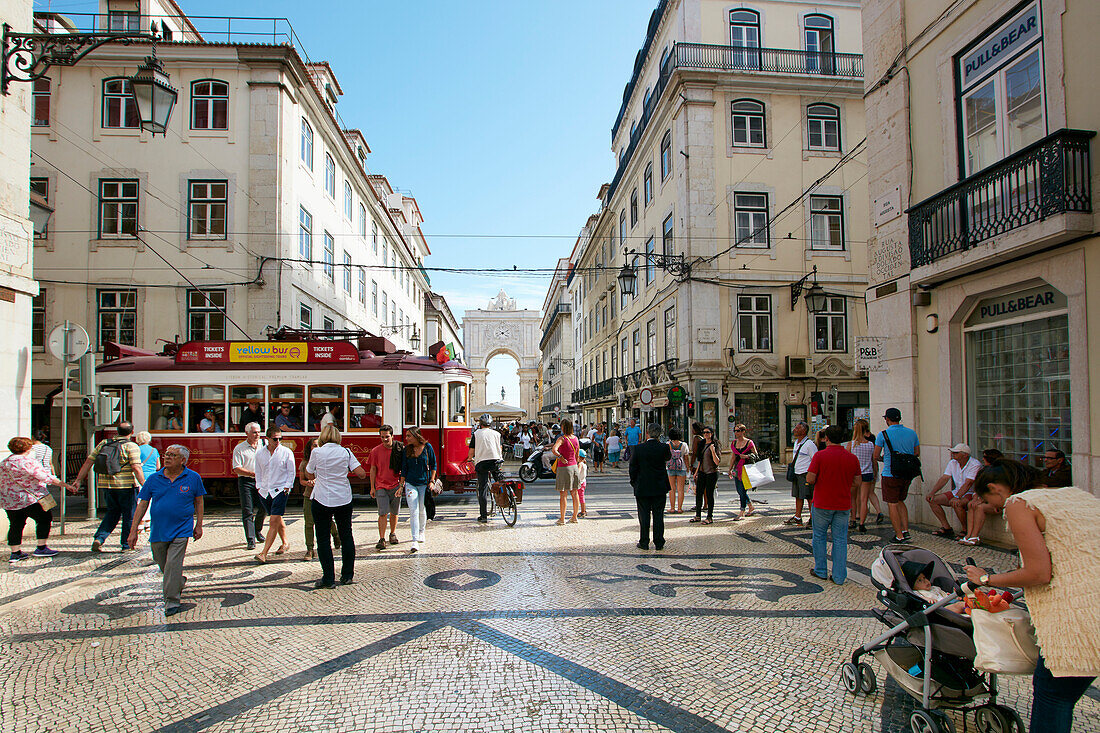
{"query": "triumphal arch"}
{"type": "Point", "coordinates": [501, 328]}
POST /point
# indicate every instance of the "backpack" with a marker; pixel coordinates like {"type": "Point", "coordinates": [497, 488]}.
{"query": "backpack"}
{"type": "Point", "coordinates": [904, 466]}
{"type": "Point", "coordinates": [676, 463]}
{"type": "Point", "coordinates": [108, 462]}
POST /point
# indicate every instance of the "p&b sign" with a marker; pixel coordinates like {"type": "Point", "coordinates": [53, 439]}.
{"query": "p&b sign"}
{"type": "Point", "coordinates": [871, 354]}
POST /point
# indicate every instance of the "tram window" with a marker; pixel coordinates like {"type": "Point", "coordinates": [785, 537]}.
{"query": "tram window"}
{"type": "Point", "coordinates": [287, 406]}
{"type": "Point", "coordinates": [365, 407]}
{"type": "Point", "coordinates": [246, 404]}
{"type": "Point", "coordinates": [325, 400]}
{"type": "Point", "coordinates": [456, 403]}
{"type": "Point", "coordinates": [206, 409]}
{"type": "Point", "coordinates": [409, 407]}
{"type": "Point", "coordinates": [166, 409]}
{"type": "Point", "coordinates": [429, 406]}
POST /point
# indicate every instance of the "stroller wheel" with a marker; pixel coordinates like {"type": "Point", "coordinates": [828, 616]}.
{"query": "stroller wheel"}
{"type": "Point", "coordinates": [849, 673]}
{"type": "Point", "coordinates": [997, 719]}
{"type": "Point", "coordinates": [925, 721]}
{"type": "Point", "coordinates": [867, 681]}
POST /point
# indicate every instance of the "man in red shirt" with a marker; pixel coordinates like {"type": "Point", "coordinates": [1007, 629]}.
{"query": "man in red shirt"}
{"type": "Point", "coordinates": [385, 486]}
{"type": "Point", "coordinates": [834, 474]}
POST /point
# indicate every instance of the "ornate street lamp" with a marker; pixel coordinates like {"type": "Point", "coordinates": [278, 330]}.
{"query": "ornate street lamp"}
{"type": "Point", "coordinates": [628, 279]}
{"type": "Point", "coordinates": [153, 95]}
{"type": "Point", "coordinates": [551, 370]}
{"type": "Point", "coordinates": [815, 299]}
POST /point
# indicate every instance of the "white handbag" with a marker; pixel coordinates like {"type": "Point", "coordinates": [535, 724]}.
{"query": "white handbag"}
{"type": "Point", "coordinates": [760, 473]}
{"type": "Point", "coordinates": [1005, 641]}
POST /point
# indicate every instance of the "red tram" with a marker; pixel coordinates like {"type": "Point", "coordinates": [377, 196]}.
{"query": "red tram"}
{"type": "Point", "coordinates": [201, 394]}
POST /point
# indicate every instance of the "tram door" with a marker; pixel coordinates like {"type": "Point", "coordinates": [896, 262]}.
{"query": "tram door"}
{"type": "Point", "coordinates": [421, 408]}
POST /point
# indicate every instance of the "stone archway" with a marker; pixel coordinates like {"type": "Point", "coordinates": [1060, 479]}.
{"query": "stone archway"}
{"type": "Point", "coordinates": [501, 328]}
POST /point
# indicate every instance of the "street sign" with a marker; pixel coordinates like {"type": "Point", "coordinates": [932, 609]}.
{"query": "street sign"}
{"type": "Point", "coordinates": [645, 396]}
{"type": "Point", "coordinates": [676, 395]}
{"type": "Point", "coordinates": [71, 348]}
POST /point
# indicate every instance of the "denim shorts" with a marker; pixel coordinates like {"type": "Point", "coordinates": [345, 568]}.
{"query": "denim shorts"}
{"type": "Point", "coordinates": [867, 477]}
{"type": "Point", "coordinates": [674, 472]}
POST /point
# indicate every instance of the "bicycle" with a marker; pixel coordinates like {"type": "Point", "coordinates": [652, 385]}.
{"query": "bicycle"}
{"type": "Point", "coordinates": [504, 499]}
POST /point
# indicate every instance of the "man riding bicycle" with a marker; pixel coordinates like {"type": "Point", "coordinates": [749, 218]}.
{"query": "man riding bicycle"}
{"type": "Point", "coordinates": [486, 453]}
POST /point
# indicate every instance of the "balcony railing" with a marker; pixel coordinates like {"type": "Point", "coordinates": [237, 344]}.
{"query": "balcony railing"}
{"type": "Point", "coordinates": [704, 56]}
{"type": "Point", "coordinates": [558, 310]}
{"type": "Point", "coordinates": [1048, 177]}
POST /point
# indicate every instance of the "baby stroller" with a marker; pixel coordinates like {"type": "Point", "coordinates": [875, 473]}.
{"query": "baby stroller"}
{"type": "Point", "coordinates": [928, 650]}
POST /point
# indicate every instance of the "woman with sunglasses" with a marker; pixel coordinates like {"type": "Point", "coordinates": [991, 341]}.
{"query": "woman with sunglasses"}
{"type": "Point", "coordinates": [744, 450]}
{"type": "Point", "coordinates": [707, 459]}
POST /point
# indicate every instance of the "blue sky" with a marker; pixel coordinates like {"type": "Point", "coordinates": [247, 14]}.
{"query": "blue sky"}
{"type": "Point", "coordinates": [495, 115]}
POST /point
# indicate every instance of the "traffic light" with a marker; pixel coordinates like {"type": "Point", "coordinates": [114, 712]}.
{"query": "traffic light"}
{"type": "Point", "coordinates": [72, 379]}
{"type": "Point", "coordinates": [690, 405]}
{"type": "Point", "coordinates": [830, 406]}
{"type": "Point", "coordinates": [87, 407]}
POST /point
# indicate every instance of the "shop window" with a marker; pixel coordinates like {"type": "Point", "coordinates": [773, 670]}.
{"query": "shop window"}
{"type": "Point", "coordinates": [287, 406]}
{"type": "Point", "coordinates": [246, 404]}
{"type": "Point", "coordinates": [754, 323]}
{"type": "Point", "coordinates": [206, 409]}
{"type": "Point", "coordinates": [1018, 387]}
{"type": "Point", "coordinates": [831, 326]}
{"type": "Point", "coordinates": [365, 407]}
{"type": "Point", "coordinates": [326, 399]}
{"type": "Point", "coordinates": [759, 411]}
{"type": "Point", "coordinates": [456, 404]}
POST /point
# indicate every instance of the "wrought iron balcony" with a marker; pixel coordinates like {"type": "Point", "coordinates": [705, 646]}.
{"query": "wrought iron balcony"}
{"type": "Point", "coordinates": [558, 310]}
{"type": "Point", "coordinates": [1049, 177]}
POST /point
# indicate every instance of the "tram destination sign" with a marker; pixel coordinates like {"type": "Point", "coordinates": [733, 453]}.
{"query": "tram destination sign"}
{"type": "Point", "coordinates": [267, 352]}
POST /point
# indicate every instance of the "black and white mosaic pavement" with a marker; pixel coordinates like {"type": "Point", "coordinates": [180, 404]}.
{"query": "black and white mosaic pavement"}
{"type": "Point", "coordinates": [535, 628]}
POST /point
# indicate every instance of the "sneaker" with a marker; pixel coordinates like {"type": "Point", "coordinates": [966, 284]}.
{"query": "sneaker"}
{"type": "Point", "coordinates": [259, 537]}
{"type": "Point", "coordinates": [414, 548]}
{"type": "Point", "coordinates": [420, 539]}
{"type": "Point", "coordinates": [393, 538]}
{"type": "Point", "coordinates": [251, 545]}
{"type": "Point", "coordinates": [17, 556]}
{"type": "Point", "coordinates": [906, 536]}
{"type": "Point", "coordinates": [97, 546]}
{"type": "Point", "coordinates": [381, 545]}
{"type": "Point", "coordinates": [44, 552]}
{"type": "Point", "coordinates": [863, 529]}
{"type": "Point", "coordinates": [880, 518]}
{"type": "Point", "coordinates": [483, 520]}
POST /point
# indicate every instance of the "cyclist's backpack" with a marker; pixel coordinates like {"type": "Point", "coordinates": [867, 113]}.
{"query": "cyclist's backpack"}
{"type": "Point", "coordinates": [904, 466]}
{"type": "Point", "coordinates": [108, 462]}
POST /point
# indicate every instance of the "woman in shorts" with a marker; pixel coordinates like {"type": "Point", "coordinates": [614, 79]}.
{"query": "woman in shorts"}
{"type": "Point", "coordinates": [677, 471]}
{"type": "Point", "coordinates": [862, 446]}
{"type": "Point", "coordinates": [567, 450]}
{"type": "Point", "coordinates": [614, 447]}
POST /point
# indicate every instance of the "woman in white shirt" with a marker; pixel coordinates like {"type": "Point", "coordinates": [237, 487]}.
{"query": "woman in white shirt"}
{"type": "Point", "coordinates": [328, 468]}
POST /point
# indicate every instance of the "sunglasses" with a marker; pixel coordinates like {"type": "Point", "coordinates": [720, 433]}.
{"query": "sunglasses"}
{"type": "Point", "coordinates": [276, 437]}
{"type": "Point", "coordinates": [738, 430]}
{"type": "Point", "coordinates": [707, 432]}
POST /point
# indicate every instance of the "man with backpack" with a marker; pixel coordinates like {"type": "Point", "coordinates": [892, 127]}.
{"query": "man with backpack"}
{"type": "Point", "coordinates": [117, 465]}
{"type": "Point", "coordinates": [898, 449]}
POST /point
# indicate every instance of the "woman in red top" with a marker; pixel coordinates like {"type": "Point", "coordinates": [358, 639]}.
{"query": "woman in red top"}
{"type": "Point", "coordinates": [23, 482]}
{"type": "Point", "coordinates": [566, 448]}
{"type": "Point", "coordinates": [743, 449]}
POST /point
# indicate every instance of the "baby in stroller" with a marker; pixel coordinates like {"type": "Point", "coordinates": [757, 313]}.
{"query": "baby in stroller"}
{"type": "Point", "coordinates": [928, 648]}
{"type": "Point", "coordinates": [919, 578]}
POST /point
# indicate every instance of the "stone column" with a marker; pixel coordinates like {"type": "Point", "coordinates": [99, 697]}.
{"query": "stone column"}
{"type": "Point", "coordinates": [477, 389]}
{"type": "Point", "coordinates": [528, 394]}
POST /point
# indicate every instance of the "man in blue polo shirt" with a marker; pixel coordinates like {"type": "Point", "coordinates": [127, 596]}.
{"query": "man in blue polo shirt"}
{"type": "Point", "coordinates": [633, 438]}
{"type": "Point", "coordinates": [174, 494]}
{"type": "Point", "coordinates": [896, 438]}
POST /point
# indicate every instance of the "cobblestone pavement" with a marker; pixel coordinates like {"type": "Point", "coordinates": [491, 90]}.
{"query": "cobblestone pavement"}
{"type": "Point", "coordinates": [534, 628]}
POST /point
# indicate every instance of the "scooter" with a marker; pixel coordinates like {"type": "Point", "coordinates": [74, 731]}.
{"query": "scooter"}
{"type": "Point", "coordinates": [534, 468]}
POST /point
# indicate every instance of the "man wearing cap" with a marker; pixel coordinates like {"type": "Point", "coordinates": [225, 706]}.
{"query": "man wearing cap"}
{"type": "Point", "coordinates": [961, 471]}
{"type": "Point", "coordinates": [896, 438]}
{"type": "Point", "coordinates": [209, 422]}
{"type": "Point", "coordinates": [487, 455]}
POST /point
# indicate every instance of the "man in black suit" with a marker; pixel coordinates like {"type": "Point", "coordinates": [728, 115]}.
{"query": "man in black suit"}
{"type": "Point", "coordinates": [649, 478]}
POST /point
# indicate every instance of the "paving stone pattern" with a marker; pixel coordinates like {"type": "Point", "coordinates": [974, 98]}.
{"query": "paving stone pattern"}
{"type": "Point", "coordinates": [533, 628]}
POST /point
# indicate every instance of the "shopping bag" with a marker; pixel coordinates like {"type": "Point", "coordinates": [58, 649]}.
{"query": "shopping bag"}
{"type": "Point", "coordinates": [1005, 641]}
{"type": "Point", "coordinates": [758, 474]}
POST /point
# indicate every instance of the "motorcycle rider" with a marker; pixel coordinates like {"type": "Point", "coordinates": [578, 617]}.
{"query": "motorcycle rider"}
{"type": "Point", "coordinates": [488, 457]}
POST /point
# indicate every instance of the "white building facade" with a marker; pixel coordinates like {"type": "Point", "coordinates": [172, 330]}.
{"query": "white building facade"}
{"type": "Point", "coordinates": [255, 210]}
